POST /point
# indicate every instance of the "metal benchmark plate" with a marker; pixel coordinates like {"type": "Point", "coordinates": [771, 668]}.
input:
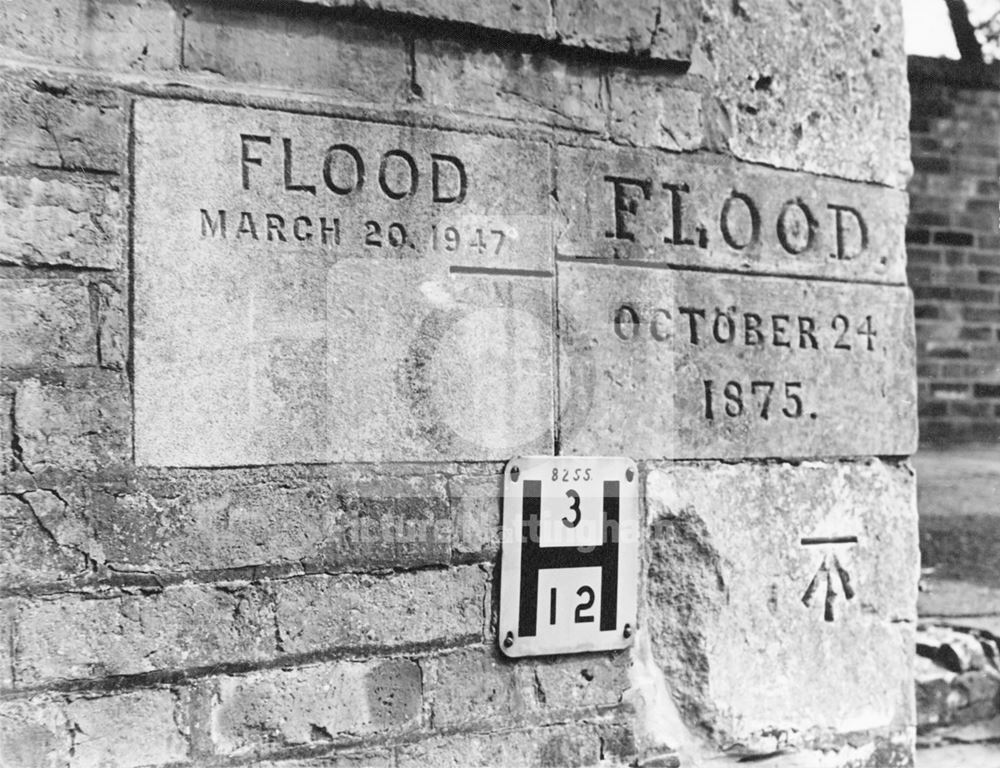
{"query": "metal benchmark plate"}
{"type": "Point", "coordinates": [570, 554]}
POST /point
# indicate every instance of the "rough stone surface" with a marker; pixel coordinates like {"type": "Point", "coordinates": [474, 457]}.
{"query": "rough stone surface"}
{"type": "Point", "coordinates": [76, 425]}
{"type": "Point", "coordinates": [52, 123]}
{"type": "Point", "coordinates": [112, 325]}
{"type": "Point", "coordinates": [797, 85]}
{"type": "Point", "coordinates": [29, 523]}
{"type": "Point", "coordinates": [647, 110]}
{"type": "Point", "coordinates": [103, 34]}
{"type": "Point", "coordinates": [59, 223]}
{"type": "Point", "coordinates": [320, 612]}
{"type": "Point", "coordinates": [128, 730]}
{"type": "Point", "coordinates": [635, 358]}
{"type": "Point", "coordinates": [511, 85]}
{"type": "Point", "coordinates": [476, 686]}
{"type": "Point", "coordinates": [531, 17]}
{"type": "Point", "coordinates": [337, 701]}
{"type": "Point", "coordinates": [181, 627]}
{"type": "Point", "coordinates": [362, 352]}
{"type": "Point", "coordinates": [317, 519]}
{"type": "Point", "coordinates": [648, 28]}
{"type": "Point", "coordinates": [475, 504]}
{"type": "Point", "coordinates": [754, 654]}
{"type": "Point", "coordinates": [357, 63]}
{"type": "Point", "coordinates": [45, 323]}
{"type": "Point", "coordinates": [567, 746]}
{"type": "Point", "coordinates": [635, 217]}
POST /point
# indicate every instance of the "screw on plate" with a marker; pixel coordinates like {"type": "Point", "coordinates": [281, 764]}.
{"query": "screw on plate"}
{"type": "Point", "coordinates": [509, 640]}
{"type": "Point", "coordinates": [629, 474]}
{"type": "Point", "coordinates": [514, 472]}
{"type": "Point", "coordinates": [627, 631]}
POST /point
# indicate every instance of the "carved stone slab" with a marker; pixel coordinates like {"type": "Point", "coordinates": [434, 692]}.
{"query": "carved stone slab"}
{"type": "Point", "coordinates": [311, 289]}
{"type": "Point", "coordinates": [791, 589]}
{"type": "Point", "coordinates": [717, 213]}
{"type": "Point", "coordinates": [682, 364]}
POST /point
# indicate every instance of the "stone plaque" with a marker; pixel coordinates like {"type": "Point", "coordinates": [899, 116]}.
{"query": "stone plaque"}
{"type": "Point", "coordinates": [311, 289]}
{"type": "Point", "coordinates": [717, 213]}
{"type": "Point", "coordinates": [791, 589]}
{"type": "Point", "coordinates": [684, 364]}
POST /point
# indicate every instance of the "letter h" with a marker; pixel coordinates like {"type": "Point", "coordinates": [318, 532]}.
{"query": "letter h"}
{"type": "Point", "coordinates": [535, 558]}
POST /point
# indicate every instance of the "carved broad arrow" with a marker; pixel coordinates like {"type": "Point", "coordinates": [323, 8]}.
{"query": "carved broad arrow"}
{"type": "Point", "coordinates": [830, 571]}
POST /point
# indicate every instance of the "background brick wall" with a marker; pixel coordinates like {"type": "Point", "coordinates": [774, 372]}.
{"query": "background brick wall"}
{"type": "Point", "coordinates": [953, 246]}
{"type": "Point", "coordinates": [340, 614]}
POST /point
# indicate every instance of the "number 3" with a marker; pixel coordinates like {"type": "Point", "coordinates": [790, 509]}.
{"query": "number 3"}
{"type": "Point", "coordinates": [575, 507]}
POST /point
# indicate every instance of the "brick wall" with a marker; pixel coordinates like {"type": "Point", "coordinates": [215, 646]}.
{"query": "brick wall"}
{"type": "Point", "coordinates": [345, 613]}
{"type": "Point", "coordinates": [953, 246]}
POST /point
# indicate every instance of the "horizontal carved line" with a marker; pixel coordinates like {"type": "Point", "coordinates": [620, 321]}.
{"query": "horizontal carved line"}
{"type": "Point", "coordinates": [501, 271]}
{"type": "Point", "coordinates": [813, 540]}
{"type": "Point", "coordinates": [664, 265]}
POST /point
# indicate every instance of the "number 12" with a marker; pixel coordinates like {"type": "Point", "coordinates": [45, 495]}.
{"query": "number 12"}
{"type": "Point", "coordinates": [578, 617]}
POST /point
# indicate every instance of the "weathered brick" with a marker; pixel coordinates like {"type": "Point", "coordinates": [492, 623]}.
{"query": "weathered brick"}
{"type": "Point", "coordinates": [107, 34]}
{"type": "Point", "coordinates": [315, 704]}
{"type": "Point", "coordinates": [475, 505]}
{"type": "Point", "coordinates": [325, 519]}
{"type": "Point", "coordinates": [181, 627]}
{"type": "Point", "coordinates": [7, 463]}
{"type": "Point", "coordinates": [56, 124]}
{"type": "Point", "coordinates": [60, 223]}
{"type": "Point", "coordinates": [402, 609]}
{"type": "Point", "coordinates": [75, 425]}
{"type": "Point", "coordinates": [46, 323]}
{"type": "Point", "coordinates": [369, 758]}
{"type": "Point", "coordinates": [112, 325]}
{"type": "Point", "coordinates": [130, 729]}
{"type": "Point", "coordinates": [124, 730]}
{"type": "Point", "coordinates": [30, 524]}
{"type": "Point", "coordinates": [566, 746]}
{"type": "Point", "coordinates": [8, 637]}
{"type": "Point", "coordinates": [476, 686]}
{"type": "Point", "coordinates": [355, 62]}
{"type": "Point", "coordinates": [511, 86]}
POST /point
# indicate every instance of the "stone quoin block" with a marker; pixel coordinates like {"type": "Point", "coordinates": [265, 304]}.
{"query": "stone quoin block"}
{"type": "Point", "coordinates": [345, 291]}
{"type": "Point", "coordinates": [511, 85]}
{"type": "Point", "coordinates": [60, 223]}
{"type": "Point", "coordinates": [46, 323]}
{"type": "Point", "coordinates": [357, 63]}
{"type": "Point", "coordinates": [52, 123]}
{"type": "Point", "coordinates": [342, 700]}
{"type": "Point", "coordinates": [103, 34]}
{"type": "Point", "coordinates": [764, 582]}
{"type": "Point", "coordinates": [802, 101]}
{"type": "Point", "coordinates": [649, 29]}
{"type": "Point", "coordinates": [683, 364]}
{"type": "Point", "coordinates": [713, 212]}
